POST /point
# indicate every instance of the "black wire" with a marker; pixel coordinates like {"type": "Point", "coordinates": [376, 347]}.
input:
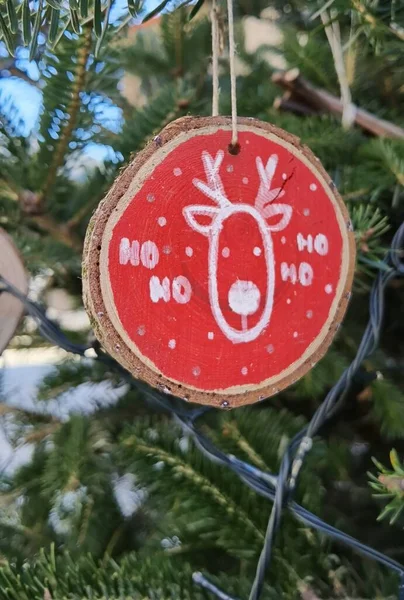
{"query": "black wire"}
{"type": "Point", "coordinates": [47, 328]}
{"type": "Point", "coordinates": [279, 488]}
{"type": "Point", "coordinates": [265, 484]}
{"type": "Point", "coordinates": [289, 471]}
{"type": "Point", "coordinates": [200, 580]}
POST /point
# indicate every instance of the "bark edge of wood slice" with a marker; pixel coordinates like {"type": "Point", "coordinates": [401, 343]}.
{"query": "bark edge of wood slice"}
{"type": "Point", "coordinates": [105, 322]}
{"type": "Point", "coordinates": [12, 269]}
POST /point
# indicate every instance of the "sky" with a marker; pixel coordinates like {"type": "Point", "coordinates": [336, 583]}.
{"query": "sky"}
{"type": "Point", "coordinates": [27, 98]}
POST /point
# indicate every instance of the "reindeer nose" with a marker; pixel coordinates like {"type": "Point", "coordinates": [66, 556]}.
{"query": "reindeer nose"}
{"type": "Point", "coordinates": [244, 297]}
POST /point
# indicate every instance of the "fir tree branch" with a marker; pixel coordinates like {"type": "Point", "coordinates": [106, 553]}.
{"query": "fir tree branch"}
{"type": "Point", "coordinates": [7, 499]}
{"type": "Point", "coordinates": [393, 483]}
{"type": "Point", "coordinates": [232, 430]}
{"type": "Point", "coordinates": [206, 486]}
{"type": "Point", "coordinates": [59, 231]}
{"type": "Point", "coordinates": [5, 409]}
{"type": "Point", "coordinates": [389, 484]}
{"type": "Point", "coordinates": [40, 434]}
{"type": "Point", "coordinates": [307, 592]}
{"type": "Point", "coordinates": [8, 409]}
{"type": "Point", "coordinates": [28, 532]}
{"type": "Point", "coordinates": [80, 214]}
{"type": "Point", "coordinates": [360, 193]}
{"type": "Point", "coordinates": [67, 576]}
{"type": "Point", "coordinates": [374, 22]}
{"type": "Point", "coordinates": [33, 203]}
{"type": "Point", "coordinates": [113, 541]}
{"type": "Point", "coordinates": [88, 511]}
{"type": "Point", "coordinates": [369, 18]}
{"type": "Point", "coordinates": [16, 72]}
{"type": "Point", "coordinates": [73, 111]}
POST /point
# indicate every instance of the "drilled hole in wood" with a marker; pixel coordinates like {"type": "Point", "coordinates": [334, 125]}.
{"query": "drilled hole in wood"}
{"type": "Point", "coordinates": [234, 149]}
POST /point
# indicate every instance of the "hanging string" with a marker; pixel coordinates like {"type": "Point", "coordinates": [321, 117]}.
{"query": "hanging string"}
{"type": "Point", "coordinates": [232, 61]}
{"type": "Point", "coordinates": [332, 30]}
{"type": "Point", "coordinates": [215, 69]}
{"type": "Point", "coordinates": [215, 58]}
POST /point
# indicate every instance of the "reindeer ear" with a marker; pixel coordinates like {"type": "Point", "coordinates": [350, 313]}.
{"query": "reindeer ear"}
{"type": "Point", "coordinates": [266, 173]}
{"type": "Point", "coordinates": [206, 214]}
{"type": "Point", "coordinates": [273, 212]}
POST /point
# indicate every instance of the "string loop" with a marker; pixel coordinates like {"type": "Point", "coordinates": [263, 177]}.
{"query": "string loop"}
{"type": "Point", "coordinates": [232, 64]}
{"type": "Point", "coordinates": [215, 58]}
{"type": "Point", "coordinates": [234, 145]}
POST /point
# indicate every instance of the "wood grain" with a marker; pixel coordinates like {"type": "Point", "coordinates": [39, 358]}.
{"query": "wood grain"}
{"type": "Point", "coordinates": [12, 269]}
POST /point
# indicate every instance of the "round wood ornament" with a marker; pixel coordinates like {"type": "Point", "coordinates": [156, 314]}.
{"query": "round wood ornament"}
{"type": "Point", "coordinates": [12, 269]}
{"type": "Point", "coordinates": [218, 277]}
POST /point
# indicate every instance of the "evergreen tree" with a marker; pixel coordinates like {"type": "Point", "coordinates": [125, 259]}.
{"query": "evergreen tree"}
{"type": "Point", "coordinates": [63, 531]}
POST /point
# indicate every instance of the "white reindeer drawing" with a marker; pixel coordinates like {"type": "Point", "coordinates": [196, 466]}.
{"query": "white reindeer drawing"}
{"type": "Point", "coordinates": [243, 296]}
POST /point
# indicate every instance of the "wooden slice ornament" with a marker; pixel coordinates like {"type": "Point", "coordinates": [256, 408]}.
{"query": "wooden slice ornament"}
{"type": "Point", "coordinates": [12, 269]}
{"type": "Point", "coordinates": [217, 277]}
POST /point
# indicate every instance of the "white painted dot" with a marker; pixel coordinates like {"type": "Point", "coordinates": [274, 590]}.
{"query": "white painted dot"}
{"type": "Point", "coordinates": [313, 187]}
{"type": "Point", "coordinates": [244, 297]}
{"type": "Point", "coordinates": [177, 172]}
{"type": "Point", "coordinates": [257, 251]}
{"type": "Point", "coordinates": [306, 212]}
{"type": "Point", "coordinates": [244, 371]}
{"type": "Point", "coordinates": [284, 176]}
{"type": "Point", "coordinates": [172, 344]}
{"type": "Point", "coordinates": [189, 251]}
{"type": "Point", "coordinates": [283, 239]}
{"type": "Point", "coordinates": [288, 301]}
{"type": "Point", "coordinates": [162, 221]}
{"type": "Point", "coordinates": [141, 330]}
{"type": "Point", "coordinates": [229, 168]}
{"type": "Point", "coordinates": [166, 250]}
{"type": "Point", "coordinates": [245, 180]}
{"type": "Point", "coordinates": [150, 198]}
{"type": "Point", "coordinates": [270, 349]}
{"type": "Point", "coordinates": [328, 288]}
{"type": "Point", "coordinates": [211, 335]}
{"type": "Point", "coordinates": [295, 334]}
{"type": "Point", "coordinates": [309, 314]}
{"type": "Point", "coordinates": [196, 371]}
{"type": "Point", "coordinates": [226, 252]}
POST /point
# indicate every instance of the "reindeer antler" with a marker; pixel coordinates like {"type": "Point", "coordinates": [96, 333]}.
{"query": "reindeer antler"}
{"type": "Point", "coordinates": [265, 193]}
{"type": "Point", "coordinates": [213, 188]}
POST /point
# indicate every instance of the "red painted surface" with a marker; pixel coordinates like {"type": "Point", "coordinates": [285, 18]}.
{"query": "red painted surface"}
{"type": "Point", "coordinates": [184, 340]}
